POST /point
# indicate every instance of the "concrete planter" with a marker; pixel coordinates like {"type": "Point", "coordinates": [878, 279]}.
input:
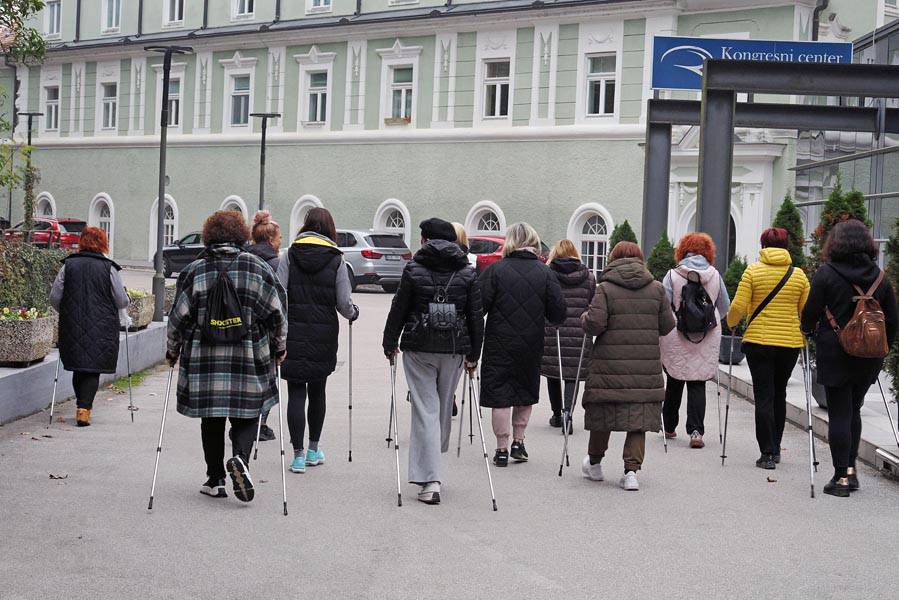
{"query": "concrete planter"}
{"type": "Point", "coordinates": [25, 342]}
{"type": "Point", "coordinates": [725, 356]}
{"type": "Point", "coordinates": [141, 312]}
{"type": "Point", "coordinates": [55, 316]}
{"type": "Point", "coordinates": [169, 298]}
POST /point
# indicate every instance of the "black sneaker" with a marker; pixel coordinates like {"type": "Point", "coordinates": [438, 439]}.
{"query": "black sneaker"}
{"type": "Point", "coordinates": [556, 420]}
{"type": "Point", "coordinates": [766, 461]}
{"type": "Point", "coordinates": [240, 477]}
{"type": "Point", "coordinates": [266, 434]}
{"type": "Point", "coordinates": [455, 407]}
{"type": "Point", "coordinates": [852, 476]}
{"type": "Point", "coordinates": [215, 488]}
{"type": "Point", "coordinates": [519, 454]}
{"type": "Point", "coordinates": [837, 487]}
{"type": "Point", "coordinates": [501, 458]}
{"type": "Point", "coordinates": [776, 458]}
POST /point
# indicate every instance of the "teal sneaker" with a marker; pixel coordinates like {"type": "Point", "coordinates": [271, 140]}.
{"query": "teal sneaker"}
{"type": "Point", "coordinates": [298, 465]}
{"type": "Point", "coordinates": [315, 457]}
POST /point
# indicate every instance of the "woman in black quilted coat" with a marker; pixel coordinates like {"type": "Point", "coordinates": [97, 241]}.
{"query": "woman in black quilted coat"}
{"type": "Point", "coordinates": [520, 295]}
{"type": "Point", "coordinates": [578, 286]}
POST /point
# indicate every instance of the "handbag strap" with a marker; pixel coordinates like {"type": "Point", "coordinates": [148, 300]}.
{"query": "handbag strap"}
{"type": "Point", "coordinates": [764, 303]}
{"type": "Point", "coordinates": [444, 292]}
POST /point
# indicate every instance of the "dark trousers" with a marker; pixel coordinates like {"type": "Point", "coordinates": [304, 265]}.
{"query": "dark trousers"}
{"type": "Point", "coordinates": [212, 432]}
{"type": "Point", "coordinates": [297, 393]}
{"type": "Point", "coordinates": [674, 391]}
{"type": "Point", "coordinates": [844, 430]}
{"type": "Point", "coordinates": [771, 367]}
{"type": "Point", "coordinates": [86, 386]}
{"type": "Point", "coordinates": [554, 387]}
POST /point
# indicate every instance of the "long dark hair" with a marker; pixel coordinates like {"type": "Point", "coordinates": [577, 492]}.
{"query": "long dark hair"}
{"type": "Point", "coordinates": [320, 221]}
{"type": "Point", "coordinates": [847, 238]}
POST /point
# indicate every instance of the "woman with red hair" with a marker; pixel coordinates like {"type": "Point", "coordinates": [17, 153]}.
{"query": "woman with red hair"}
{"type": "Point", "coordinates": [690, 359]}
{"type": "Point", "coordinates": [88, 293]}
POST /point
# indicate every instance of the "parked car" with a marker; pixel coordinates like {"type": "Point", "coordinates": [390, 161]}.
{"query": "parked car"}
{"type": "Point", "coordinates": [183, 252]}
{"type": "Point", "coordinates": [374, 257]}
{"type": "Point", "coordinates": [49, 232]}
{"type": "Point", "coordinates": [489, 249]}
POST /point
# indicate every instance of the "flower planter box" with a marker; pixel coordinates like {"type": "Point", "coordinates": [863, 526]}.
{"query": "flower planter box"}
{"type": "Point", "coordinates": [141, 312]}
{"type": "Point", "coordinates": [25, 342]}
{"type": "Point", "coordinates": [725, 356]}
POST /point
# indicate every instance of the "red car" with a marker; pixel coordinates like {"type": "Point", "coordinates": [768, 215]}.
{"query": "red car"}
{"type": "Point", "coordinates": [64, 233]}
{"type": "Point", "coordinates": [489, 249]}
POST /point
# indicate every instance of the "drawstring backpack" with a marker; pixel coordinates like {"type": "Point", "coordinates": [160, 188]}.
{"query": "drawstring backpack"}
{"type": "Point", "coordinates": [224, 322]}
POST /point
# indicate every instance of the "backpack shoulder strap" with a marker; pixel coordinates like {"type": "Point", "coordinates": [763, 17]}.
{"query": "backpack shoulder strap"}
{"type": "Point", "coordinates": [874, 286]}
{"type": "Point", "coordinates": [764, 303]}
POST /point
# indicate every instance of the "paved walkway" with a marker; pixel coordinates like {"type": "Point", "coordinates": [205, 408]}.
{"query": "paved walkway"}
{"type": "Point", "coordinates": [694, 530]}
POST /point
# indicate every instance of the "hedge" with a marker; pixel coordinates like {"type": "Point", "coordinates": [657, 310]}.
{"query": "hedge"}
{"type": "Point", "coordinates": [27, 274]}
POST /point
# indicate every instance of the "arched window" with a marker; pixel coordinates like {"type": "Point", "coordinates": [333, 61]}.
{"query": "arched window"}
{"type": "Point", "coordinates": [170, 224]}
{"type": "Point", "coordinates": [235, 203]}
{"type": "Point", "coordinates": [101, 215]}
{"type": "Point", "coordinates": [395, 222]}
{"type": "Point", "coordinates": [485, 218]}
{"type": "Point", "coordinates": [589, 229]}
{"type": "Point", "coordinates": [488, 222]}
{"type": "Point", "coordinates": [298, 215]}
{"type": "Point", "coordinates": [44, 205]}
{"type": "Point", "coordinates": [393, 216]}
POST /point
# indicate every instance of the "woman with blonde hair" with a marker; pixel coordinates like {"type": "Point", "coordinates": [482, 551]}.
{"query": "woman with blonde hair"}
{"type": "Point", "coordinates": [578, 286]}
{"type": "Point", "coordinates": [462, 240]}
{"type": "Point", "coordinates": [520, 294]}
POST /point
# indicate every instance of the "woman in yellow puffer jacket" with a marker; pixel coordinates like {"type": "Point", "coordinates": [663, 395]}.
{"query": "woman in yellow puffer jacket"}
{"type": "Point", "coordinates": [772, 340]}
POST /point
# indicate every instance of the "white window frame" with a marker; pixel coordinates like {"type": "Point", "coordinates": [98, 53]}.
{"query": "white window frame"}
{"type": "Point", "coordinates": [105, 27]}
{"type": "Point", "coordinates": [323, 6]}
{"type": "Point", "coordinates": [478, 211]}
{"type": "Point", "coordinates": [603, 78]}
{"type": "Point", "coordinates": [385, 209]}
{"type": "Point", "coordinates": [405, 88]}
{"type": "Point", "coordinates": [236, 15]}
{"type": "Point", "coordinates": [301, 207]}
{"type": "Point", "coordinates": [51, 76]}
{"type": "Point", "coordinates": [167, 21]}
{"type": "Point", "coordinates": [173, 222]}
{"type": "Point", "coordinates": [178, 71]}
{"type": "Point", "coordinates": [499, 82]}
{"type": "Point", "coordinates": [107, 73]}
{"type": "Point", "coordinates": [494, 46]}
{"type": "Point", "coordinates": [599, 38]}
{"type": "Point", "coordinates": [314, 61]}
{"type": "Point", "coordinates": [51, 109]}
{"type": "Point", "coordinates": [94, 218]}
{"type": "Point", "coordinates": [109, 107]}
{"type": "Point", "coordinates": [237, 66]}
{"type": "Point", "coordinates": [236, 203]}
{"type": "Point", "coordinates": [579, 219]}
{"type": "Point", "coordinates": [50, 201]}
{"type": "Point", "coordinates": [398, 56]}
{"type": "Point", "coordinates": [48, 20]}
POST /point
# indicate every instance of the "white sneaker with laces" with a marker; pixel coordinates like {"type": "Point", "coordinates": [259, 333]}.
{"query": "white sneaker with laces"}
{"type": "Point", "coordinates": [629, 482]}
{"type": "Point", "coordinates": [591, 472]}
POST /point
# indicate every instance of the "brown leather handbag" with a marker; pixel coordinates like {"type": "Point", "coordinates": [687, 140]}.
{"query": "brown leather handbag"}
{"type": "Point", "coordinates": [865, 334]}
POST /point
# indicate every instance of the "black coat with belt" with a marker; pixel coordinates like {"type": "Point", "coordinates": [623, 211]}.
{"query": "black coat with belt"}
{"type": "Point", "coordinates": [832, 288]}
{"type": "Point", "coordinates": [578, 287]}
{"type": "Point", "coordinates": [520, 295]}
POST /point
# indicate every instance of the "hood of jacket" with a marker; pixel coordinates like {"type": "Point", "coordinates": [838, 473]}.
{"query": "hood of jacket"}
{"type": "Point", "coordinates": [698, 263]}
{"type": "Point", "coordinates": [441, 255]}
{"type": "Point", "coordinates": [569, 271]}
{"type": "Point", "coordinates": [857, 268]}
{"type": "Point", "coordinates": [778, 257]}
{"type": "Point", "coordinates": [263, 251]}
{"type": "Point", "coordinates": [628, 273]}
{"type": "Point", "coordinates": [312, 252]}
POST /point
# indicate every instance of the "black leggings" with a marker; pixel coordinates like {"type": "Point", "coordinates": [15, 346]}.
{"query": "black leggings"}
{"type": "Point", "coordinates": [296, 410]}
{"type": "Point", "coordinates": [674, 391]}
{"type": "Point", "coordinates": [844, 429]}
{"type": "Point", "coordinates": [554, 387]}
{"type": "Point", "coordinates": [771, 367]}
{"type": "Point", "coordinates": [212, 432]}
{"type": "Point", "coordinates": [86, 386]}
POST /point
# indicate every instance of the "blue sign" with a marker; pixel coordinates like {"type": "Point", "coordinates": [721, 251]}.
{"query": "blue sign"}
{"type": "Point", "coordinates": [677, 61]}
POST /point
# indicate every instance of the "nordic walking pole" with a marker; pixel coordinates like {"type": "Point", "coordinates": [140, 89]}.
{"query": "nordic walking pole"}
{"type": "Point", "coordinates": [730, 384]}
{"type": "Point", "coordinates": [259, 431]}
{"type": "Point", "coordinates": [886, 405]}
{"type": "Point", "coordinates": [664, 436]}
{"type": "Point", "coordinates": [281, 439]}
{"type": "Point", "coordinates": [568, 414]}
{"type": "Point", "coordinates": [806, 372]}
{"type": "Point", "coordinates": [350, 455]}
{"type": "Point", "coordinates": [165, 408]}
{"type": "Point", "coordinates": [483, 441]}
{"type": "Point", "coordinates": [131, 408]}
{"type": "Point", "coordinates": [470, 421]}
{"type": "Point", "coordinates": [561, 391]}
{"type": "Point", "coordinates": [461, 414]}
{"type": "Point", "coordinates": [718, 389]}
{"type": "Point", "coordinates": [53, 398]}
{"type": "Point", "coordinates": [394, 409]}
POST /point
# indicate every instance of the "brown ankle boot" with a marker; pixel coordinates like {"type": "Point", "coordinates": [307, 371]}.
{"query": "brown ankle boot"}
{"type": "Point", "coordinates": [83, 417]}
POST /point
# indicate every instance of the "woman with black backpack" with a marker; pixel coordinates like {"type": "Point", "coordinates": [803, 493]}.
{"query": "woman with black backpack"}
{"type": "Point", "coordinates": [437, 309]}
{"type": "Point", "coordinates": [848, 277]}
{"type": "Point", "coordinates": [699, 299]}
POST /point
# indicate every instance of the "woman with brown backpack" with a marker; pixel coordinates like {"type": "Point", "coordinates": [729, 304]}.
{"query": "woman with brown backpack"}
{"type": "Point", "coordinates": [849, 294]}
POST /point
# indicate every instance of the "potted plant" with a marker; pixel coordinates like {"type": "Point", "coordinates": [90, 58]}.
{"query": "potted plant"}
{"type": "Point", "coordinates": [26, 336]}
{"type": "Point", "coordinates": [661, 258]}
{"type": "Point", "coordinates": [623, 232]}
{"type": "Point", "coordinates": [140, 309]}
{"type": "Point", "coordinates": [731, 352]}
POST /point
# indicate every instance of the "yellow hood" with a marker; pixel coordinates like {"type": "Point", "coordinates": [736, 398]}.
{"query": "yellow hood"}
{"type": "Point", "coordinates": [775, 256]}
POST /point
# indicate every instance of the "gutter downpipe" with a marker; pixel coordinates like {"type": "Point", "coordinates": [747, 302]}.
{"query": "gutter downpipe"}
{"type": "Point", "coordinates": [277, 10]}
{"type": "Point", "coordinates": [816, 17]}
{"type": "Point", "coordinates": [358, 8]}
{"type": "Point", "coordinates": [205, 14]}
{"type": "Point", "coordinates": [140, 18]}
{"type": "Point", "coordinates": [78, 21]}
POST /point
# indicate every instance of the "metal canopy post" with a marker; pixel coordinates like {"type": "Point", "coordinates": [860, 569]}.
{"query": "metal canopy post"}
{"type": "Point", "coordinates": [716, 157]}
{"type": "Point", "coordinates": [657, 171]}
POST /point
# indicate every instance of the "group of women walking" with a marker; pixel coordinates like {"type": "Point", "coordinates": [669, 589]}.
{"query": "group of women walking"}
{"type": "Point", "coordinates": [633, 341]}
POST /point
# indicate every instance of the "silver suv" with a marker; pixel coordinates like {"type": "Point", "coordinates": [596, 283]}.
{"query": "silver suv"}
{"type": "Point", "coordinates": [374, 257]}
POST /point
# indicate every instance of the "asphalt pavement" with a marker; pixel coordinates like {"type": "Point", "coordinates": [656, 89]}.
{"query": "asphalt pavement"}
{"type": "Point", "coordinates": [74, 521]}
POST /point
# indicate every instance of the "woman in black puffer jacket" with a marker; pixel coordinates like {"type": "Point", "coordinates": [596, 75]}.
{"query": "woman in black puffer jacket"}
{"type": "Point", "coordinates": [578, 286]}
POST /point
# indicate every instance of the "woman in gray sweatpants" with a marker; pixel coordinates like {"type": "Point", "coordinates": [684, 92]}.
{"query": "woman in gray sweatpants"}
{"type": "Point", "coordinates": [437, 311]}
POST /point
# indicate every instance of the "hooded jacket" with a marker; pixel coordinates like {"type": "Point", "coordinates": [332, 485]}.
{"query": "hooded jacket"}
{"type": "Point", "coordinates": [625, 388]}
{"type": "Point", "coordinates": [317, 287]}
{"type": "Point", "coordinates": [778, 323]}
{"type": "Point", "coordinates": [438, 264]}
{"type": "Point", "coordinates": [832, 288]}
{"type": "Point", "coordinates": [578, 287]}
{"type": "Point", "coordinates": [266, 253]}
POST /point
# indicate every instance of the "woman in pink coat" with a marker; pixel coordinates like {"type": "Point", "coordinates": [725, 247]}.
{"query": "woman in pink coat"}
{"type": "Point", "coordinates": [693, 361]}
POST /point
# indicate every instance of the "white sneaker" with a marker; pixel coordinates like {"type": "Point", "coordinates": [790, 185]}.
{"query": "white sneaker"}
{"type": "Point", "coordinates": [629, 482]}
{"type": "Point", "coordinates": [430, 493]}
{"type": "Point", "coordinates": [591, 472]}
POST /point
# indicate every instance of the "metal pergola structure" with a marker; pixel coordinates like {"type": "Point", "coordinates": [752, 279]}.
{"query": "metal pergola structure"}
{"type": "Point", "coordinates": [718, 113]}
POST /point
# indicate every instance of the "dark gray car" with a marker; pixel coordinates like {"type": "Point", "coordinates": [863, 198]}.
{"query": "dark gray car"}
{"type": "Point", "coordinates": [374, 257]}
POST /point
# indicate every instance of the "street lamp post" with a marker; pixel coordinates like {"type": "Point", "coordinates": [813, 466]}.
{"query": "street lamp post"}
{"type": "Point", "coordinates": [158, 276]}
{"type": "Point", "coordinates": [265, 117]}
{"type": "Point", "coordinates": [31, 116]}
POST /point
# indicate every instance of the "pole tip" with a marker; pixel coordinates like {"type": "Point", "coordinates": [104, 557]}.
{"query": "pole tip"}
{"type": "Point", "coordinates": [150, 506]}
{"type": "Point", "coordinates": [560, 470]}
{"type": "Point", "coordinates": [399, 499]}
{"type": "Point", "coordinates": [285, 509]}
{"type": "Point", "coordinates": [494, 506]}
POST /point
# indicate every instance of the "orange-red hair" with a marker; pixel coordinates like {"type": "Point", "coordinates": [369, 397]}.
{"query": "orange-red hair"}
{"type": "Point", "coordinates": [94, 239]}
{"type": "Point", "coordinates": [696, 243]}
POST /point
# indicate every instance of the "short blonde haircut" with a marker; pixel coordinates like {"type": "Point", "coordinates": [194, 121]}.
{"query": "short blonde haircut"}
{"type": "Point", "coordinates": [521, 235]}
{"type": "Point", "coordinates": [563, 249]}
{"type": "Point", "coordinates": [461, 236]}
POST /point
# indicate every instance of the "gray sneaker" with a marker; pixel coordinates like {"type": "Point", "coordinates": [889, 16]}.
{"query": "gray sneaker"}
{"type": "Point", "coordinates": [591, 472]}
{"type": "Point", "coordinates": [430, 493]}
{"type": "Point", "coordinates": [629, 482]}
